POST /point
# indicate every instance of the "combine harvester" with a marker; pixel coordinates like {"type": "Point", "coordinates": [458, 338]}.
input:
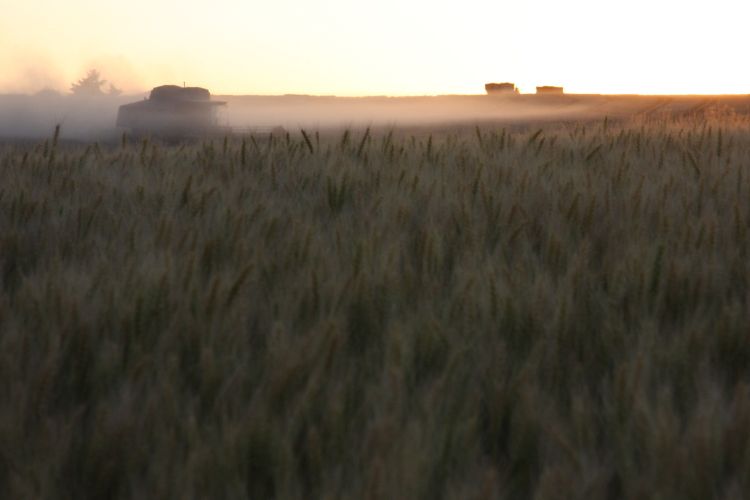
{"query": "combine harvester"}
{"type": "Point", "coordinates": [172, 112]}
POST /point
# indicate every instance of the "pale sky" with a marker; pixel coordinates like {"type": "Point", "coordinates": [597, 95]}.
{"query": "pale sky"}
{"type": "Point", "coordinates": [389, 47]}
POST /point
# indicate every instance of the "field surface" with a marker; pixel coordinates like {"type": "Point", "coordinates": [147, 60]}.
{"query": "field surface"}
{"type": "Point", "coordinates": [555, 310]}
{"type": "Point", "coordinates": [93, 119]}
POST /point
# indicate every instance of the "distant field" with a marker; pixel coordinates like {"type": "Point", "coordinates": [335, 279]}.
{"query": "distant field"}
{"type": "Point", "coordinates": [93, 119]}
{"type": "Point", "coordinates": [549, 310]}
{"type": "Point", "coordinates": [309, 111]}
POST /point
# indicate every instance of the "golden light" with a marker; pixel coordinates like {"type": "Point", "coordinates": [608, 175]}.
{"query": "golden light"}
{"type": "Point", "coordinates": [346, 47]}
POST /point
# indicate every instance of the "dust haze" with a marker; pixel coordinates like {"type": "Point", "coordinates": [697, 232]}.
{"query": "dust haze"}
{"type": "Point", "coordinates": [335, 112]}
{"type": "Point", "coordinates": [34, 116]}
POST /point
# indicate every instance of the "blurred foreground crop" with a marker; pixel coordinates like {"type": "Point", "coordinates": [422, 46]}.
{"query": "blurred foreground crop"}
{"type": "Point", "coordinates": [484, 313]}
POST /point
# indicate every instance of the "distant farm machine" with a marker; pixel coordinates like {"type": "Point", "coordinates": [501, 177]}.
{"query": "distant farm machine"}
{"type": "Point", "coordinates": [509, 89]}
{"type": "Point", "coordinates": [173, 111]}
{"type": "Point", "coordinates": [501, 88]}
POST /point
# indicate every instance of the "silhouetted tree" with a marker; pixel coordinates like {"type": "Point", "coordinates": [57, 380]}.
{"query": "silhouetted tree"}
{"type": "Point", "coordinates": [90, 85]}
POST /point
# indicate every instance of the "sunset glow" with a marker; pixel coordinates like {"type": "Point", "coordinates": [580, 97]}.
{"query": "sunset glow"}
{"type": "Point", "coordinates": [346, 47]}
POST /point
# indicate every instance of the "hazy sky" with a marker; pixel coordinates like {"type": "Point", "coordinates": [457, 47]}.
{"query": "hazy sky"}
{"type": "Point", "coordinates": [352, 47]}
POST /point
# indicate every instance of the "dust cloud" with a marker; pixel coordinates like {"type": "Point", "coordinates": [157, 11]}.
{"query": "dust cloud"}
{"type": "Point", "coordinates": [336, 112]}
{"type": "Point", "coordinates": [93, 118]}
{"type": "Point", "coordinates": [24, 116]}
{"type": "Point", "coordinates": [29, 71]}
{"type": "Point", "coordinates": [35, 97]}
{"type": "Point", "coordinates": [36, 116]}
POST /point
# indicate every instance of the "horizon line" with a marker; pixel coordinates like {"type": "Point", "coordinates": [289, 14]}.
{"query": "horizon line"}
{"type": "Point", "coordinates": [360, 96]}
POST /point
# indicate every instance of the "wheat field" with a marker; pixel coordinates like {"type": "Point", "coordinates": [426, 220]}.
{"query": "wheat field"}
{"type": "Point", "coordinates": [553, 311]}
